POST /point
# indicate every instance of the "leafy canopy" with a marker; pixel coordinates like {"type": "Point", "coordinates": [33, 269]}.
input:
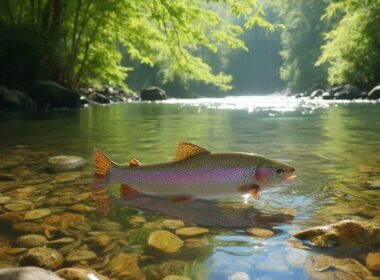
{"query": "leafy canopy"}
{"type": "Point", "coordinates": [86, 37]}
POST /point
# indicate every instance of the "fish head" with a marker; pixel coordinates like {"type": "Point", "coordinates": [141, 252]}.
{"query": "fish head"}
{"type": "Point", "coordinates": [271, 173]}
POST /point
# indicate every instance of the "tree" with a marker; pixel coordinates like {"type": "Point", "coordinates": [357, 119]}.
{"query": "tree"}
{"type": "Point", "coordinates": [84, 37]}
{"type": "Point", "coordinates": [352, 47]}
{"type": "Point", "coordinates": [302, 38]}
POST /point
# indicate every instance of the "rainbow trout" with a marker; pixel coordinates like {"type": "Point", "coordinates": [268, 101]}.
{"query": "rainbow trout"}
{"type": "Point", "coordinates": [194, 173]}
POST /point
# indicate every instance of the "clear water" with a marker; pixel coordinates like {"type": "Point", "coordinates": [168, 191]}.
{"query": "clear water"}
{"type": "Point", "coordinates": [332, 145]}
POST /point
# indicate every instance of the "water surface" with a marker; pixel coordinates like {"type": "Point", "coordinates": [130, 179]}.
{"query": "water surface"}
{"type": "Point", "coordinates": [334, 146]}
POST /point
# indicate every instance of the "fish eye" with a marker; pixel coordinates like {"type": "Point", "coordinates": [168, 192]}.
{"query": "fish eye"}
{"type": "Point", "coordinates": [280, 172]}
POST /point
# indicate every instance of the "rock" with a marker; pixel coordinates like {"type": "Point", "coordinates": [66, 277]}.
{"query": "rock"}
{"type": "Point", "coordinates": [37, 214]}
{"type": "Point", "coordinates": [327, 96]}
{"type": "Point", "coordinates": [374, 93]}
{"type": "Point", "coordinates": [239, 276]}
{"type": "Point", "coordinates": [65, 163]}
{"type": "Point", "coordinates": [11, 218]}
{"type": "Point", "coordinates": [83, 255]}
{"type": "Point", "coordinates": [99, 98]}
{"type": "Point", "coordinates": [344, 234]}
{"type": "Point", "coordinates": [107, 225]}
{"type": "Point", "coordinates": [347, 92]}
{"type": "Point", "coordinates": [51, 94]}
{"type": "Point", "coordinates": [125, 266]}
{"type": "Point", "coordinates": [316, 93]}
{"type": "Point", "coordinates": [152, 94]}
{"type": "Point", "coordinates": [31, 240]}
{"type": "Point", "coordinates": [260, 232]}
{"type": "Point", "coordinates": [27, 273]}
{"type": "Point", "coordinates": [373, 262]}
{"type": "Point", "coordinates": [66, 177]}
{"type": "Point", "coordinates": [99, 241]}
{"type": "Point", "coordinates": [18, 206]}
{"type": "Point", "coordinates": [171, 267]}
{"type": "Point", "coordinates": [4, 200]}
{"type": "Point", "coordinates": [42, 257]}
{"type": "Point", "coordinates": [136, 220]}
{"type": "Point", "coordinates": [176, 277]}
{"type": "Point", "coordinates": [191, 231]}
{"type": "Point", "coordinates": [82, 208]}
{"type": "Point", "coordinates": [164, 242]}
{"type": "Point", "coordinates": [295, 257]}
{"type": "Point", "coordinates": [326, 267]}
{"type": "Point", "coordinates": [172, 224]}
{"type": "Point", "coordinates": [27, 227]}
{"type": "Point", "coordinates": [76, 273]}
{"type": "Point", "coordinates": [64, 240]}
{"type": "Point", "coordinates": [14, 100]}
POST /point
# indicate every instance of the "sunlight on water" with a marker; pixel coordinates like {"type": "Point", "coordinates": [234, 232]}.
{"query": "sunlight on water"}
{"type": "Point", "coordinates": [276, 103]}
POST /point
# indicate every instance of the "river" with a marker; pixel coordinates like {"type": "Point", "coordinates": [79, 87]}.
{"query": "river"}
{"type": "Point", "coordinates": [335, 146]}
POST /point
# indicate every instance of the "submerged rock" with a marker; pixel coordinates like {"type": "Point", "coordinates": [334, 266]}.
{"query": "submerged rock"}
{"type": "Point", "coordinates": [42, 257]}
{"type": "Point", "coordinates": [81, 256]}
{"type": "Point", "coordinates": [175, 277]}
{"type": "Point", "coordinates": [125, 266]}
{"type": "Point", "coordinates": [346, 234]}
{"type": "Point", "coordinates": [31, 240]}
{"type": "Point", "coordinates": [260, 232]}
{"type": "Point", "coordinates": [326, 267]}
{"type": "Point", "coordinates": [37, 214]}
{"type": "Point", "coordinates": [27, 273]}
{"type": "Point", "coordinates": [191, 231]}
{"type": "Point", "coordinates": [65, 163]}
{"type": "Point", "coordinates": [373, 262]}
{"type": "Point", "coordinates": [164, 242]}
{"type": "Point", "coordinates": [76, 273]}
{"type": "Point", "coordinates": [172, 224]}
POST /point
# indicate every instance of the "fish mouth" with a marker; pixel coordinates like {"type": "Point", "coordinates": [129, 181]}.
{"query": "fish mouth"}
{"type": "Point", "coordinates": [290, 177]}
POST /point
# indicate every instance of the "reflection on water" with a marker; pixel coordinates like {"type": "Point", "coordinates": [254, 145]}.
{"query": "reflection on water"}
{"type": "Point", "coordinates": [334, 145]}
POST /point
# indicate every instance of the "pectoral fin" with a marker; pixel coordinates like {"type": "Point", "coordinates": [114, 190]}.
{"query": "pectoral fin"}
{"type": "Point", "coordinates": [126, 190]}
{"type": "Point", "coordinates": [134, 162]}
{"type": "Point", "coordinates": [180, 199]}
{"type": "Point", "coordinates": [256, 193]}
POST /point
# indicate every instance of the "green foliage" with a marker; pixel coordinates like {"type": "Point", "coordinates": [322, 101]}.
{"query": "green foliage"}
{"type": "Point", "coordinates": [86, 36]}
{"type": "Point", "coordinates": [352, 48]}
{"type": "Point", "coordinates": [301, 39]}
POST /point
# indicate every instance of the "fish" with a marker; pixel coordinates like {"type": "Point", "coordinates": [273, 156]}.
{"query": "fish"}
{"type": "Point", "coordinates": [194, 173]}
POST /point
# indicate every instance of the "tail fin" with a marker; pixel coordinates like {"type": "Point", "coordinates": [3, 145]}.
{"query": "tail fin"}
{"type": "Point", "coordinates": [101, 179]}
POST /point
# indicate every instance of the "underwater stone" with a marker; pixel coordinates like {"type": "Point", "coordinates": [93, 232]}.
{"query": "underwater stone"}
{"type": "Point", "coordinates": [65, 163]}
{"type": "Point", "coordinates": [37, 214]}
{"type": "Point", "coordinates": [172, 224]}
{"type": "Point", "coordinates": [125, 266]}
{"type": "Point", "coordinates": [162, 241]}
{"type": "Point", "coordinates": [373, 262]}
{"type": "Point", "coordinates": [175, 277]}
{"type": "Point", "coordinates": [31, 240]}
{"type": "Point", "coordinates": [81, 256]}
{"type": "Point", "coordinates": [76, 273]}
{"type": "Point", "coordinates": [42, 257]}
{"type": "Point", "coordinates": [260, 232]}
{"type": "Point", "coordinates": [191, 231]}
{"type": "Point", "coordinates": [27, 273]}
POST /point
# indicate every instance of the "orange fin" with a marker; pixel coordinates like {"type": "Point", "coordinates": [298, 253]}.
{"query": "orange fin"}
{"type": "Point", "coordinates": [180, 198]}
{"type": "Point", "coordinates": [186, 149]}
{"type": "Point", "coordinates": [134, 162]}
{"type": "Point", "coordinates": [102, 201]}
{"type": "Point", "coordinates": [126, 190]}
{"type": "Point", "coordinates": [257, 193]}
{"type": "Point", "coordinates": [102, 163]}
{"type": "Point", "coordinates": [248, 188]}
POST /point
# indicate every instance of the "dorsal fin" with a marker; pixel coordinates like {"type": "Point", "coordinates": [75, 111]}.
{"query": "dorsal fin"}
{"type": "Point", "coordinates": [134, 162]}
{"type": "Point", "coordinates": [186, 149]}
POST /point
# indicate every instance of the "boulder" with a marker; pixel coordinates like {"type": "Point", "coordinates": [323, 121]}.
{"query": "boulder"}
{"type": "Point", "coordinates": [152, 94]}
{"type": "Point", "coordinates": [347, 92]}
{"type": "Point", "coordinates": [344, 234]}
{"type": "Point", "coordinates": [374, 93]}
{"type": "Point", "coordinates": [77, 273]}
{"type": "Point", "coordinates": [14, 100]}
{"type": "Point", "coordinates": [373, 262]}
{"type": "Point", "coordinates": [99, 98]}
{"type": "Point", "coordinates": [316, 93]}
{"type": "Point", "coordinates": [50, 94]}
{"type": "Point", "coordinates": [27, 273]}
